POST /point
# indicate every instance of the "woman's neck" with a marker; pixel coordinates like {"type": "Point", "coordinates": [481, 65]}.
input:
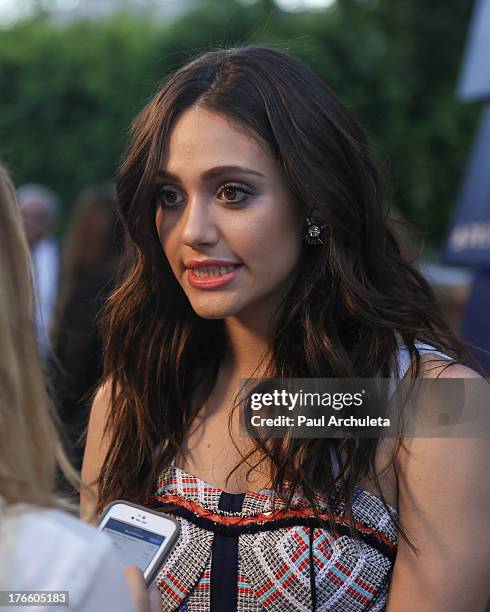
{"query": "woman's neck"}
{"type": "Point", "coordinates": [248, 349]}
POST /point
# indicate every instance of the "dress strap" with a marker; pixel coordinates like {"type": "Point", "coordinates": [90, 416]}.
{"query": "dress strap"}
{"type": "Point", "coordinates": [402, 361]}
{"type": "Point", "coordinates": [403, 358]}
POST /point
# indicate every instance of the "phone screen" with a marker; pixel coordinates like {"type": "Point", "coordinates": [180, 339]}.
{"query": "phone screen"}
{"type": "Point", "coordinates": [135, 546]}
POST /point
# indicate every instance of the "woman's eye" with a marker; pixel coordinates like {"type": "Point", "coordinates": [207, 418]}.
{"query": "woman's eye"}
{"type": "Point", "coordinates": [233, 194]}
{"type": "Point", "coordinates": [168, 197]}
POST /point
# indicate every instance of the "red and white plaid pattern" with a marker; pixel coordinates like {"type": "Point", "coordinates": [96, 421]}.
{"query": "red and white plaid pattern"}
{"type": "Point", "coordinates": [274, 568]}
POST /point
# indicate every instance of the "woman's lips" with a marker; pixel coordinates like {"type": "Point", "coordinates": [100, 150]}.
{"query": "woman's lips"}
{"type": "Point", "coordinates": [211, 282]}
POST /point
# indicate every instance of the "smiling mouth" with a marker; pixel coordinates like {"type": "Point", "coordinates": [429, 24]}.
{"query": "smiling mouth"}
{"type": "Point", "coordinates": [212, 277]}
{"type": "Point", "coordinates": [212, 271]}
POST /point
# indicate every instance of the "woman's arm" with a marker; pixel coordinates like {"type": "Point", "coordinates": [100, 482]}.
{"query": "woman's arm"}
{"type": "Point", "coordinates": [444, 504]}
{"type": "Point", "coordinates": [95, 450]}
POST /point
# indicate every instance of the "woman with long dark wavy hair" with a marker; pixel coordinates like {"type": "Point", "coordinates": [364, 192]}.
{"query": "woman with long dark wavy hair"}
{"type": "Point", "coordinates": [258, 223]}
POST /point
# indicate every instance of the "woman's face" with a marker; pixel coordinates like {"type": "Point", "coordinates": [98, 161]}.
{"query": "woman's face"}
{"type": "Point", "coordinates": [228, 225]}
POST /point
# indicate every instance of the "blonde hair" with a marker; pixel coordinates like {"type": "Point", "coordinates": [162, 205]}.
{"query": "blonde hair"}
{"type": "Point", "coordinates": [30, 448]}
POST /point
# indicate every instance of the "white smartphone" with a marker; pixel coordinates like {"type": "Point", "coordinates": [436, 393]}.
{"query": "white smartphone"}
{"type": "Point", "coordinates": [142, 537]}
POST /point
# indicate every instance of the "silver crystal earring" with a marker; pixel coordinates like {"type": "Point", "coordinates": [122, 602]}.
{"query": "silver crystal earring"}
{"type": "Point", "coordinates": [314, 230]}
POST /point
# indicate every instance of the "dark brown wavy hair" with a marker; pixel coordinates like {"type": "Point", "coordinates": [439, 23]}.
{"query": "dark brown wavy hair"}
{"type": "Point", "coordinates": [353, 301]}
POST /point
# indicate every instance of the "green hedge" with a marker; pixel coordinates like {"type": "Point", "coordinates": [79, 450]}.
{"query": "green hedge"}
{"type": "Point", "coordinates": [68, 93]}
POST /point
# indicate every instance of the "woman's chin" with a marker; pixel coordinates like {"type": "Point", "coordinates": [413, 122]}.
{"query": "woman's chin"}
{"type": "Point", "coordinates": [208, 312]}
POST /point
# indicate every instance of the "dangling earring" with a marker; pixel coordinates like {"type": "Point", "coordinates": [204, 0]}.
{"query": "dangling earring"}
{"type": "Point", "coordinates": [314, 230]}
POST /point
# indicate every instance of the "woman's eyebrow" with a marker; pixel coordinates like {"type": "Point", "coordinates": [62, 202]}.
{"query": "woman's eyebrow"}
{"type": "Point", "coordinates": [211, 173]}
{"type": "Point", "coordinates": [219, 170]}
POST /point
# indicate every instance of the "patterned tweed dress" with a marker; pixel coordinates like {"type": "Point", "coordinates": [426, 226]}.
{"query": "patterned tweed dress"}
{"type": "Point", "coordinates": [269, 558]}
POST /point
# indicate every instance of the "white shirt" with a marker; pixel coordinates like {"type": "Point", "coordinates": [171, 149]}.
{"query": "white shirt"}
{"type": "Point", "coordinates": [45, 261]}
{"type": "Point", "coordinates": [49, 550]}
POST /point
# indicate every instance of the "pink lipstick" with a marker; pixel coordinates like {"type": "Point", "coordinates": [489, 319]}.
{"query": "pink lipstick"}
{"type": "Point", "coordinates": [211, 273]}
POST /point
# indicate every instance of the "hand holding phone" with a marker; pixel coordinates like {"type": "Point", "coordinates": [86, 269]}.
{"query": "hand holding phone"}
{"type": "Point", "coordinates": [142, 537]}
{"type": "Point", "coordinates": [145, 599]}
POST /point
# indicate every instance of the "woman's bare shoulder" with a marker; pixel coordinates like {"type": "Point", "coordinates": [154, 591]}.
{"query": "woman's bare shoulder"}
{"type": "Point", "coordinates": [444, 502]}
{"type": "Point", "coordinates": [434, 366]}
{"type": "Point", "coordinates": [433, 363]}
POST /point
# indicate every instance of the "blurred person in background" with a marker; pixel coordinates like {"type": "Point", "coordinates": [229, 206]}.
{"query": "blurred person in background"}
{"type": "Point", "coordinates": [40, 208]}
{"type": "Point", "coordinates": [90, 259]}
{"type": "Point", "coordinates": [43, 547]}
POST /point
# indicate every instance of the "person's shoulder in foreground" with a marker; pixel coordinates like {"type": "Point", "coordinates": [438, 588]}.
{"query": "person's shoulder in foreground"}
{"type": "Point", "coordinates": [49, 550]}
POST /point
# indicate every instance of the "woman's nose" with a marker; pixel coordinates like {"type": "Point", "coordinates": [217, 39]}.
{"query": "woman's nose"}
{"type": "Point", "coordinates": [199, 227]}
